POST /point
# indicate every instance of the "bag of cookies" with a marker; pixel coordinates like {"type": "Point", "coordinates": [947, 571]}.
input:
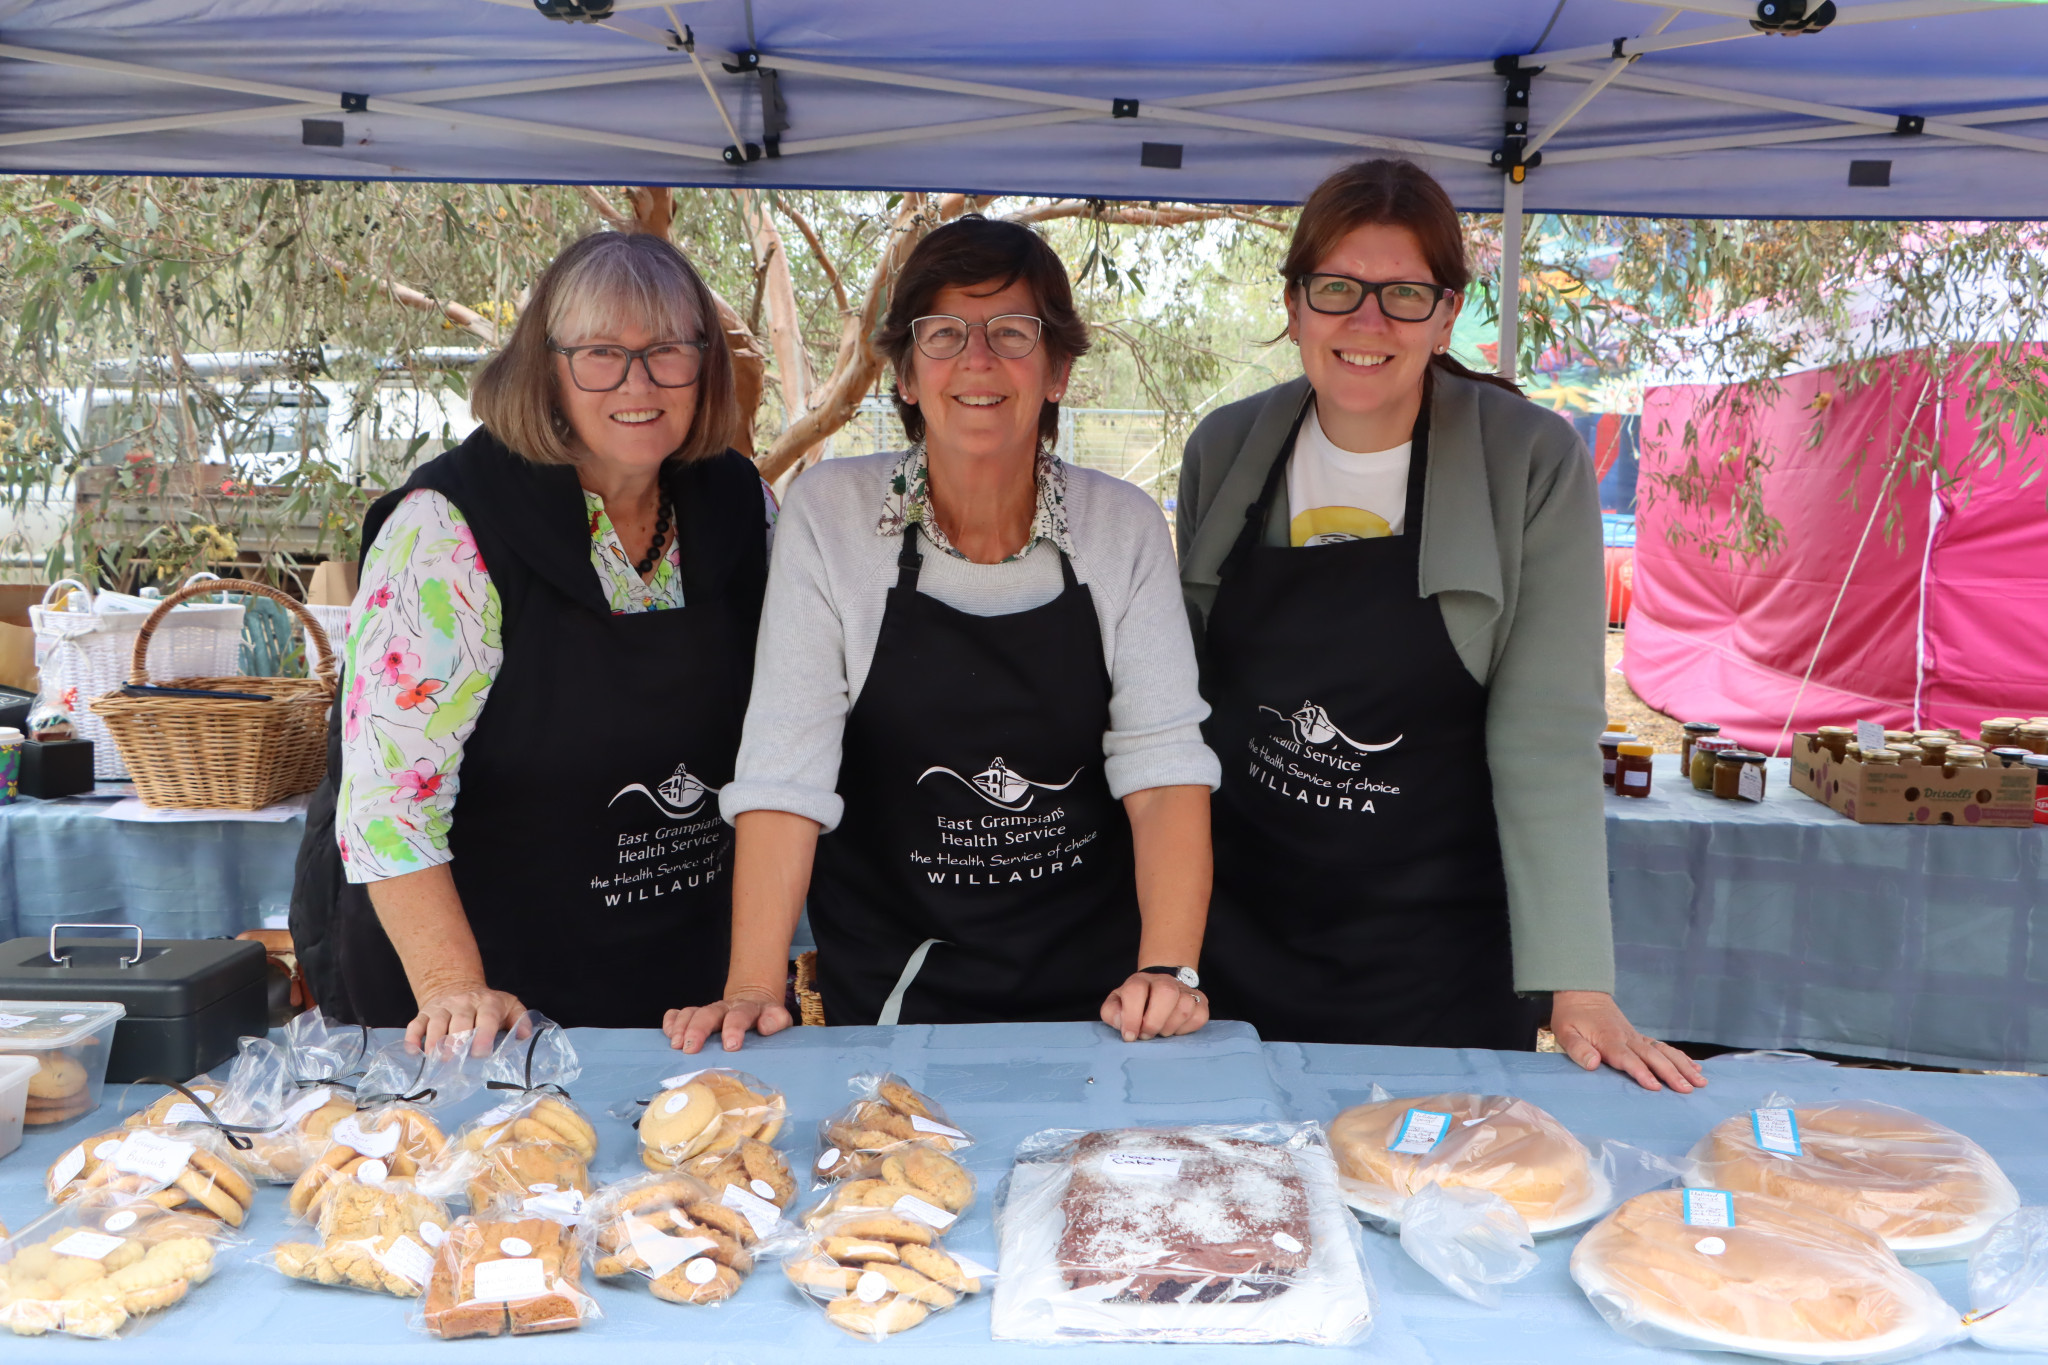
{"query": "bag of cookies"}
{"type": "Point", "coordinates": [294, 1094]}
{"type": "Point", "coordinates": [878, 1273]}
{"type": "Point", "coordinates": [93, 1267]}
{"type": "Point", "coordinates": [887, 1114]}
{"type": "Point", "coordinates": [2009, 1284]}
{"type": "Point", "coordinates": [393, 1132]}
{"type": "Point", "coordinates": [720, 1125]}
{"type": "Point", "coordinates": [519, 1276]}
{"type": "Point", "coordinates": [65, 1180]}
{"type": "Point", "coordinates": [187, 1167]}
{"type": "Point", "coordinates": [672, 1232]}
{"type": "Point", "coordinates": [377, 1237]}
{"type": "Point", "coordinates": [916, 1178]}
{"type": "Point", "coordinates": [529, 1155]}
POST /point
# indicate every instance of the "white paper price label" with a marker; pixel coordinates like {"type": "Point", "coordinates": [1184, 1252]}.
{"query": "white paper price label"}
{"type": "Point", "coordinates": [558, 1206]}
{"type": "Point", "coordinates": [504, 1281]}
{"type": "Point", "coordinates": [1709, 1208]}
{"type": "Point", "coordinates": [828, 1158]}
{"type": "Point", "coordinates": [673, 1082]}
{"type": "Point", "coordinates": [932, 1214]}
{"type": "Point", "coordinates": [1421, 1130]}
{"type": "Point", "coordinates": [870, 1287]}
{"type": "Point", "coordinates": [759, 1213]}
{"type": "Point", "coordinates": [152, 1156]}
{"type": "Point", "coordinates": [703, 1270]}
{"type": "Point", "coordinates": [120, 1222]}
{"type": "Point", "coordinates": [304, 1105]}
{"type": "Point", "coordinates": [94, 1246]}
{"type": "Point", "coordinates": [1777, 1130]}
{"type": "Point", "coordinates": [67, 1168]}
{"type": "Point", "coordinates": [496, 1115]}
{"type": "Point", "coordinates": [16, 1020]}
{"type": "Point", "coordinates": [1635, 778]}
{"type": "Point", "coordinates": [1750, 785]}
{"type": "Point", "coordinates": [1141, 1166]}
{"type": "Point", "coordinates": [662, 1252]}
{"type": "Point", "coordinates": [184, 1111]}
{"type": "Point", "coordinates": [925, 1125]}
{"type": "Point", "coordinates": [1869, 735]}
{"type": "Point", "coordinates": [1710, 1246]}
{"type": "Point", "coordinates": [1287, 1242]}
{"type": "Point", "coordinates": [349, 1133]}
{"type": "Point", "coordinates": [409, 1261]}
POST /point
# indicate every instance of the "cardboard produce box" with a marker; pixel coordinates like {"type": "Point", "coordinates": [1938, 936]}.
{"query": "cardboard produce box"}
{"type": "Point", "coordinates": [1911, 793]}
{"type": "Point", "coordinates": [17, 641]}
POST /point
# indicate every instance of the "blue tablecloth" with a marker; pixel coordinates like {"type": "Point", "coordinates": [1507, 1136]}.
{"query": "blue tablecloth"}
{"type": "Point", "coordinates": [1002, 1083]}
{"type": "Point", "coordinates": [64, 861]}
{"type": "Point", "coordinates": [1786, 925]}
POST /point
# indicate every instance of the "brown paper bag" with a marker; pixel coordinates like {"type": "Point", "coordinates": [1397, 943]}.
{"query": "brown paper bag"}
{"type": "Point", "coordinates": [333, 584]}
{"type": "Point", "coordinates": [17, 641]}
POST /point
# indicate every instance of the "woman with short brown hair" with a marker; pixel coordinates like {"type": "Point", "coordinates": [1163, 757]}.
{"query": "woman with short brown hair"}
{"type": "Point", "coordinates": [543, 679]}
{"type": "Point", "coordinates": [976, 683]}
{"type": "Point", "coordinates": [1394, 563]}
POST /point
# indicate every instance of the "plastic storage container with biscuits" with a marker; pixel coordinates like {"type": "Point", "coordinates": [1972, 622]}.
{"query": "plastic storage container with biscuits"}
{"type": "Point", "coordinates": [1929, 1192]}
{"type": "Point", "coordinates": [70, 1041]}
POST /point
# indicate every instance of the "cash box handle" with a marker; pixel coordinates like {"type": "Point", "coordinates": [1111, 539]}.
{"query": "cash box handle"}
{"type": "Point", "coordinates": [64, 960]}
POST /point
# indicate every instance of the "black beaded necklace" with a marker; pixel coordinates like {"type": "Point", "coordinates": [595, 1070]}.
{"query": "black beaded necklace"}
{"type": "Point", "coordinates": [662, 516]}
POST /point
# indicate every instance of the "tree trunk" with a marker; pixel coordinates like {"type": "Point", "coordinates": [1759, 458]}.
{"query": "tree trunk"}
{"type": "Point", "coordinates": [785, 330]}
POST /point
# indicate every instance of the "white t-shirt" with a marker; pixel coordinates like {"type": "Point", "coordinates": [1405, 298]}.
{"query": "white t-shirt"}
{"type": "Point", "coordinates": [1335, 494]}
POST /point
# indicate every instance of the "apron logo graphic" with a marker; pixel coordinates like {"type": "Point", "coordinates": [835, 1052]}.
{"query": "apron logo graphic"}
{"type": "Point", "coordinates": [678, 798]}
{"type": "Point", "coordinates": [1312, 725]}
{"type": "Point", "coordinates": [999, 786]}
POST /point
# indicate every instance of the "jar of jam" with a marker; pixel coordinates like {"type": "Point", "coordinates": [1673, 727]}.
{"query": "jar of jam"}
{"type": "Point", "coordinates": [1835, 739]}
{"type": "Point", "coordinates": [2009, 756]}
{"type": "Point", "coordinates": [1632, 769]}
{"type": "Point", "coordinates": [1894, 738]}
{"type": "Point", "coordinates": [1965, 756]}
{"type": "Point", "coordinates": [1731, 782]}
{"type": "Point", "coordinates": [1703, 752]}
{"type": "Point", "coordinates": [1936, 732]}
{"type": "Point", "coordinates": [1933, 748]}
{"type": "Point", "coordinates": [1610, 743]}
{"type": "Point", "coordinates": [1999, 730]}
{"type": "Point", "coordinates": [2033, 737]}
{"type": "Point", "coordinates": [2039, 763]}
{"type": "Point", "coordinates": [1881, 757]}
{"type": "Point", "coordinates": [1695, 731]}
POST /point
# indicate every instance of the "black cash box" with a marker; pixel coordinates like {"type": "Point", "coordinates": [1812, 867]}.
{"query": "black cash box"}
{"type": "Point", "coordinates": [189, 1001]}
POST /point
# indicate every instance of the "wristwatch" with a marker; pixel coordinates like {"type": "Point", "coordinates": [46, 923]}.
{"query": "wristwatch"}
{"type": "Point", "coordinates": [1187, 976]}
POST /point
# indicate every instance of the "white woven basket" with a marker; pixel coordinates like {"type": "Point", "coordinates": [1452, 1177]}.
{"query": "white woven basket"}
{"type": "Point", "coordinates": [93, 650]}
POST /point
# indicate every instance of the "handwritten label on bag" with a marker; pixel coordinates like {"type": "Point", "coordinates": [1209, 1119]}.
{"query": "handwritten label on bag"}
{"type": "Point", "coordinates": [152, 1156]}
{"type": "Point", "coordinates": [349, 1133]}
{"type": "Point", "coordinates": [932, 1214]}
{"type": "Point", "coordinates": [1776, 1131]}
{"type": "Point", "coordinates": [15, 1020]}
{"type": "Point", "coordinates": [67, 1168]}
{"type": "Point", "coordinates": [504, 1281]}
{"type": "Point", "coordinates": [758, 1212]}
{"type": "Point", "coordinates": [1709, 1209]}
{"type": "Point", "coordinates": [408, 1260]}
{"type": "Point", "coordinates": [1421, 1130]}
{"type": "Point", "coordinates": [1140, 1166]}
{"type": "Point", "coordinates": [925, 1125]}
{"type": "Point", "coordinates": [662, 1252]}
{"type": "Point", "coordinates": [94, 1246]}
{"type": "Point", "coordinates": [1750, 785]}
{"type": "Point", "coordinates": [1869, 735]}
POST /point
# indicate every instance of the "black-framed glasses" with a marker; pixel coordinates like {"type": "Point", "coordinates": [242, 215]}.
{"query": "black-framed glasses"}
{"type": "Point", "coordinates": [943, 336]}
{"type": "Point", "coordinates": [603, 367]}
{"type": "Point", "coordinates": [1400, 300]}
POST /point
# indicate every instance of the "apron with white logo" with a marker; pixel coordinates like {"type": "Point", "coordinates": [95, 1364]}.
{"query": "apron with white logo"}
{"type": "Point", "coordinates": [982, 870]}
{"type": "Point", "coordinates": [1359, 894]}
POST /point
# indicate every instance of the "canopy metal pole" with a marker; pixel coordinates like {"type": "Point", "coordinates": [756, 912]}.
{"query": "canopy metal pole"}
{"type": "Point", "coordinates": [1510, 274]}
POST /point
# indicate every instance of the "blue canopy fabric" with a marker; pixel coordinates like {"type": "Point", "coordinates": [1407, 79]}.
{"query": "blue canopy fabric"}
{"type": "Point", "coordinates": [1939, 106]}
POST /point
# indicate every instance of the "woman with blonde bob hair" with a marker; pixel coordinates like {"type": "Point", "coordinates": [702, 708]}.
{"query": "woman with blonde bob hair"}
{"type": "Point", "coordinates": [1394, 563]}
{"type": "Point", "coordinates": [546, 666]}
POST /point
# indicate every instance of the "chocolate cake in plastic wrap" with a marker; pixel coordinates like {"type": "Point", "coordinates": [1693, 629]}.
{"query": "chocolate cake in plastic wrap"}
{"type": "Point", "coordinates": [1213, 1233]}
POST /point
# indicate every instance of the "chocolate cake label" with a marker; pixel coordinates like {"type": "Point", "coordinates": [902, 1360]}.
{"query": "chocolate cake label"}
{"type": "Point", "coordinates": [1776, 1131]}
{"type": "Point", "coordinates": [1710, 1208]}
{"type": "Point", "coordinates": [1420, 1131]}
{"type": "Point", "coordinates": [1142, 1166]}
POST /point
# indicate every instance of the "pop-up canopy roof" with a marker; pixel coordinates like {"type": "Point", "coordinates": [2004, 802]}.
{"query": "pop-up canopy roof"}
{"type": "Point", "coordinates": [1877, 109]}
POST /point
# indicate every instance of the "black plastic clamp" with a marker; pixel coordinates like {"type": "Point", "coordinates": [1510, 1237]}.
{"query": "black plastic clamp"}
{"type": "Point", "coordinates": [1509, 159]}
{"type": "Point", "coordinates": [353, 103]}
{"type": "Point", "coordinates": [1792, 16]}
{"type": "Point", "coordinates": [1123, 108]}
{"type": "Point", "coordinates": [1910, 125]}
{"type": "Point", "coordinates": [743, 62]}
{"type": "Point", "coordinates": [575, 11]}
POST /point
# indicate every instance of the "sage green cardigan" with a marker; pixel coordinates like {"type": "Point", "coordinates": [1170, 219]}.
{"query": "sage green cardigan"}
{"type": "Point", "coordinates": [1511, 550]}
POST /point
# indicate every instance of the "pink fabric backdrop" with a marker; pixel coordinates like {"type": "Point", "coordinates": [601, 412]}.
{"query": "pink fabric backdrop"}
{"type": "Point", "coordinates": [1728, 640]}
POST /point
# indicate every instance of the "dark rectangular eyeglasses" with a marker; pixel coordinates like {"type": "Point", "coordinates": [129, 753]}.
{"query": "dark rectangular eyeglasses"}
{"type": "Point", "coordinates": [1400, 300]}
{"type": "Point", "coordinates": [603, 367]}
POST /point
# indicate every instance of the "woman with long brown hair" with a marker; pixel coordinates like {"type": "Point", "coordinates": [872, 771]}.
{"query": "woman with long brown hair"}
{"type": "Point", "coordinates": [1393, 566]}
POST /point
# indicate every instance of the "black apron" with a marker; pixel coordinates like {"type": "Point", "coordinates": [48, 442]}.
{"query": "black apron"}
{"type": "Point", "coordinates": [1359, 895]}
{"type": "Point", "coordinates": [587, 845]}
{"type": "Point", "coordinates": [982, 870]}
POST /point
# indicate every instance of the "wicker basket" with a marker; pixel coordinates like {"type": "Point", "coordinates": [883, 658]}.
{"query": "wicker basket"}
{"type": "Point", "coordinates": [194, 753]}
{"type": "Point", "coordinates": [810, 1005]}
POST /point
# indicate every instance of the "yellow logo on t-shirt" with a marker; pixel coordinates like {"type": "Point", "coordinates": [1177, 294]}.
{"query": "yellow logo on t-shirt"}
{"type": "Point", "coordinates": [1332, 525]}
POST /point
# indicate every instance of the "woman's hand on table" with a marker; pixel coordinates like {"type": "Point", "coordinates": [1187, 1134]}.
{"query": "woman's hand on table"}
{"type": "Point", "coordinates": [1591, 1029]}
{"type": "Point", "coordinates": [1154, 1005]}
{"type": "Point", "coordinates": [753, 1008]}
{"type": "Point", "coordinates": [458, 1008]}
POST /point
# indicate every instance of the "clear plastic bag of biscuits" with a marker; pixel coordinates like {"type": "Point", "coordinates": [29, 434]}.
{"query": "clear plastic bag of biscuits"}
{"type": "Point", "coordinates": [720, 1126]}
{"type": "Point", "coordinates": [672, 1232]}
{"type": "Point", "coordinates": [100, 1266]}
{"type": "Point", "coordinates": [877, 1273]}
{"type": "Point", "coordinates": [887, 1113]}
{"type": "Point", "coordinates": [915, 1178]}
{"type": "Point", "coordinates": [497, 1277]}
{"type": "Point", "coordinates": [530, 1154]}
{"type": "Point", "coordinates": [379, 1237]}
{"type": "Point", "coordinates": [394, 1132]}
{"type": "Point", "coordinates": [188, 1167]}
{"type": "Point", "coordinates": [294, 1094]}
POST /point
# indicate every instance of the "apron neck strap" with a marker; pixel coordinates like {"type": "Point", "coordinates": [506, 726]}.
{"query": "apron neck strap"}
{"type": "Point", "coordinates": [909, 562]}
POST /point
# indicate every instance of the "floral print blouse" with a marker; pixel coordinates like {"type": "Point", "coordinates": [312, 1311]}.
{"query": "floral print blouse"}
{"type": "Point", "coordinates": [907, 497]}
{"type": "Point", "coordinates": [421, 649]}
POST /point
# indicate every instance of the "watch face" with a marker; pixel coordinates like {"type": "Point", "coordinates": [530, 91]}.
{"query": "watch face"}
{"type": "Point", "coordinates": [1188, 977]}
